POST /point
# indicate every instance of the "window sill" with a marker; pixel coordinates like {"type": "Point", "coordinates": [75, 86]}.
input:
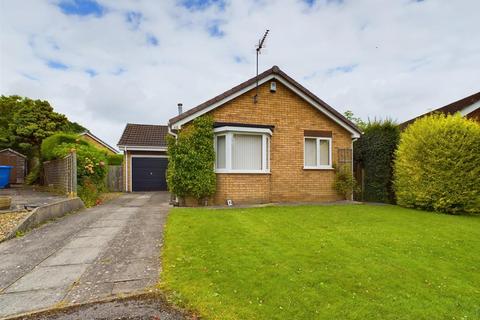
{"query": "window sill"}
{"type": "Point", "coordinates": [241, 172]}
{"type": "Point", "coordinates": [318, 168]}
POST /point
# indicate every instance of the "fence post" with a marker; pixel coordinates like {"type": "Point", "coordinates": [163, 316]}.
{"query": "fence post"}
{"type": "Point", "coordinates": [74, 174]}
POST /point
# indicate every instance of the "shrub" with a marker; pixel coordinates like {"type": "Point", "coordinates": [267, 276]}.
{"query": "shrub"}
{"type": "Point", "coordinates": [191, 161]}
{"type": "Point", "coordinates": [344, 182]}
{"type": "Point", "coordinates": [91, 163]}
{"type": "Point", "coordinates": [50, 143]}
{"type": "Point", "coordinates": [115, 159]}
{"type": "Point", "coordinates": [375, 150]}
{"type": "Point", "coordinates": [33, 176]}
{"type": "Point", "coordinates": [437, 165]}
{"type": "Point", "coordinates": [89, 192]}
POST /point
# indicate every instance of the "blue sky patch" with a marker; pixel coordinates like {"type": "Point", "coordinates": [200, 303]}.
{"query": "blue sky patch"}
{"type": "Point", "coordinates": [81, 7]}
{"type": "Point", "coordinates": [311, 3]}
{"type": "Point", "coordinates": [53, 64]}
{"type": "Point", "coordinates": [152, 40]}
{"type": "Point", "coordinates": [119, 71]}
{"type": "Point", "coordinates": [29, 76]}
{"type": "Point", "coordinates": [214, 30]}
{"type": "Point", "coordinates": [202, 4]}
{"type": "Point", "coordinates": [134, 19]}
{"type": "Point", "coordinates": [91, 72]}
{"type": "Point", "coordinates": [239, 59]}
{"type": "Point", "coordinates": [342, 69]}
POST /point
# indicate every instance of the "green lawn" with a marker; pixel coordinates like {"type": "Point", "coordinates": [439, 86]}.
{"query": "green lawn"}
{"type": "Point", "coordinates": [323, 262]}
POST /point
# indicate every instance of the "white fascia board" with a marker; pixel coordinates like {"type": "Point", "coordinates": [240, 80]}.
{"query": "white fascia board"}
{"type": "Point", "coordinates": [467, 110]}
{"type": "Point", "coordinates": [142, 148]}
{"type": "Point", "coordinates": [242, 129]}
{"type": "Point", "coordinates": [355, 134]}
{"type": "Point", "coordinates": [87, 133]}
{"type": "Point", "coordinates": [178, 124]}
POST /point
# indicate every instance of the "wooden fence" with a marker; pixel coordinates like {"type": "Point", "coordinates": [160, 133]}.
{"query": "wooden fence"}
{"type": "Point", "coordinates": [61, 174]}
{"type": "Point", "coordinates": [114, 178]}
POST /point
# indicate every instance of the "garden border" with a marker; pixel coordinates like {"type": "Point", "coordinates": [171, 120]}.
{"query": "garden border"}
{"type": "Point", "coordinates": [47, 212]}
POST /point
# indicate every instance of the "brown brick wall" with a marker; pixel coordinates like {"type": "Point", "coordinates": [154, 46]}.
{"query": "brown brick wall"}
{"type": "Point", "coordinates": [288, 181]}
{"type": "Point", "coordinates": [97, 144]}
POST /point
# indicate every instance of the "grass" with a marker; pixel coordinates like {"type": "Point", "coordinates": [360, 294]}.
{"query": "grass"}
{"type": "Point", "coordinates": [323, 262]}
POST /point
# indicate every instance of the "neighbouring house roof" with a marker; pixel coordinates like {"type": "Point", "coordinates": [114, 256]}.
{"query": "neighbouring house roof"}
{"type": "Point", "coordinates": [144, 135]}
{"type": "Point", "coordinates": [465, 106]}
{"type": "Point", "coordinates": [272, 73]}
{"type": "Point", "coordinates": [100, 141]}
{"type": "Point", "coordinates": [15, 152]}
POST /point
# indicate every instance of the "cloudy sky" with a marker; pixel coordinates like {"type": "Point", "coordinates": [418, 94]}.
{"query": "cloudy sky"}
{"type": "Point", "coordinates": [104, 63]}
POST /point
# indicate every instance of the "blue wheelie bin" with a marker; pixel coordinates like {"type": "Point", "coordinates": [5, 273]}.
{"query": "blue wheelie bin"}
{"type": "Point", "coordinates": [4, 176]}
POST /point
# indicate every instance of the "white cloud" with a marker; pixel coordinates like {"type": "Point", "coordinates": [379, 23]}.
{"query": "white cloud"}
{"type": "Point", "coordinates": [409, 57]}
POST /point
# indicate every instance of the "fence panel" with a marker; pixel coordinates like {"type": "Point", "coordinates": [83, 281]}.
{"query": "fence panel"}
{"type": "Point", "coordinates": [61, 174]}
{"type": "Point", "coordinates": [115, 178]}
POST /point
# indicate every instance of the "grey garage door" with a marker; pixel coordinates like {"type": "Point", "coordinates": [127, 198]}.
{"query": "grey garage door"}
{"type": "Point", "coordinates": [149, 174]}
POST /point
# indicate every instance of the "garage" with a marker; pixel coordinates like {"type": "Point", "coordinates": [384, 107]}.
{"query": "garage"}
{"type": "Point", "coordinates": [149, 173]}
{"type": "Point", "coordinates": [144, 148]}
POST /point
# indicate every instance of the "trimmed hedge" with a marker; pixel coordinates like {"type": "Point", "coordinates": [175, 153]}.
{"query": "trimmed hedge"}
{"type": "Point", "coordinates": [115, 159]}
{"type": "Point", "coordinates": [375, 150]}
{"type": "Point", "coordinates": [49, 144]}
{"type": "Point", "coordinates": [437, 165]}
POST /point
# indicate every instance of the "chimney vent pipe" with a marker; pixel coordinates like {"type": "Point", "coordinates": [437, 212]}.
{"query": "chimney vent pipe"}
{"type": "Point", "coordinates": [180, 108]}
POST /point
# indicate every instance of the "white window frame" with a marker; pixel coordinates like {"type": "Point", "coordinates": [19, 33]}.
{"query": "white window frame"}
{"type": "Point", "coordinates": [229, 132]}
{"type": "Point", "coordinates": [318, 165]}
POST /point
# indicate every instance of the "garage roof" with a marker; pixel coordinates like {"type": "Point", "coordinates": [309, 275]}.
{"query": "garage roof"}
{"type": "Point", "coordinates": [144, 135]}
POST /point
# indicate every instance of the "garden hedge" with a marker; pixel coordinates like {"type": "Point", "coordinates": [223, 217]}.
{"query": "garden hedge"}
{"type": "Point", "coordinates": [91, 163]}
{"type": "Point", "coordinates": [437, 165]}
{"type": "Point", "coordinates": [375, 150]}
{"type": "Point", "coordinates": [115, 159]}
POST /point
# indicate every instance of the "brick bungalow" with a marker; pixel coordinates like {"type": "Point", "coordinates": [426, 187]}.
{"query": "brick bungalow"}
{"type": "Point", "coordinates": [279, 146]}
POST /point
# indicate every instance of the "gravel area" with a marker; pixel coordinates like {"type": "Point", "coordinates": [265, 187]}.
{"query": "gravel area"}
{"type": "Point", "coordinates": [8, 221]}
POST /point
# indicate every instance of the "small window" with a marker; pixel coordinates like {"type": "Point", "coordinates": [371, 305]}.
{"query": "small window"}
{"type": "Point", "coordinates": [221, 152]}
{"type": "Point", "coordinates": [317, 153]}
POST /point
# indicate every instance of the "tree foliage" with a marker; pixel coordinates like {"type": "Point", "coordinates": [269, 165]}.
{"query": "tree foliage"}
{"type": "Point", "coordinates": [24, 123]}
{"type": "Point", "coordinates": [375, 150]}
{"type": "Point", "coordinates": [437, 165]}
{"type": "Point", "coordinates": [356, 120]}
{"type": "Point", "coordinates": [191, 160]}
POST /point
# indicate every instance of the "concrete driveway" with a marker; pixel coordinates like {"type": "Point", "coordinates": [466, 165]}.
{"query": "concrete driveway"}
{"type": "Point", "coordinates": [92, 254]}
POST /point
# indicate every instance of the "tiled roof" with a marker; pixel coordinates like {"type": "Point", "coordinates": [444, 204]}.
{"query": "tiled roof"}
{"type": "Point", "coordinates": [145, 135]}
{"type": "Point", "coordinates": [274, 70]}
{"type": "Point", "coordinates": [449, 108]}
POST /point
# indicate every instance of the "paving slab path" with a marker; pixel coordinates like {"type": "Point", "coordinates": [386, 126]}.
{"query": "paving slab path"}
{"type": "Point", "coordinates": [92, 254]}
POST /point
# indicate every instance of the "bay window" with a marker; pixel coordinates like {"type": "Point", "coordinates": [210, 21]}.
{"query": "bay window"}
{"type": "Point", "coordinates": [242, 150]}
{"type": "Point", "coordinates": [317, 153]}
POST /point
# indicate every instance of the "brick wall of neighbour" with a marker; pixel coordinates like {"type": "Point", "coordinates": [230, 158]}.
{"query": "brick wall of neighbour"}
{"type": "Point", "coordinates": [288, 181]}
{"type": "Point", "coordinates": [61, 174]}
{"type": "Point", "coordinates": [128, 161]}
{"type": "Point", "coordinates": [97, 144]}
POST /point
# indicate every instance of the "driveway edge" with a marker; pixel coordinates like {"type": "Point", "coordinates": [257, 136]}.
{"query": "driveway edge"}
{"type": "Point", "coordinates": [47, 212]}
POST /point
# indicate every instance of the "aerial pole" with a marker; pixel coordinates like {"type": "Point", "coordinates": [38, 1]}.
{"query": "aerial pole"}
{"type": "Point", "coordinates": [260, 45]}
